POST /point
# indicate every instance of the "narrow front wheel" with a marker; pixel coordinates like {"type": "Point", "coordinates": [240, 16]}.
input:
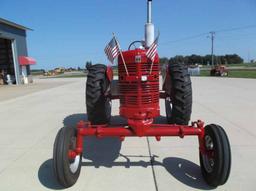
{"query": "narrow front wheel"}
{"type": "Point", "coordinates": [66, 169]}
{"type": "Point", "coordinates": [216, 160]}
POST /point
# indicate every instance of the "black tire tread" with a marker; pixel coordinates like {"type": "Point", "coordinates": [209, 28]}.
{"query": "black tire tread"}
{"type": "Point", "coordinates": [220, 174]}
{"type": "Point", "coordinates": [96, 102]}
{"type": "Point", "coordinates": [55, 159]}
{"type": "Point", "coordinates": [227, 162]}
{"type": "Point", "coordinates": [181, 88]}
{"type": "Point", "coordinates": [60, 159]}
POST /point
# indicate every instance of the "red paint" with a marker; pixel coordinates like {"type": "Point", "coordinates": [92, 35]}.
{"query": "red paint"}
{"type": "Point", "coordinates": [142, 130]}
{"type": "Point", "coordinates": [139, 92]}
{"type": "Point", "coordinates": [139, 103]}
{"type": "Point", "coordinates": [166, 82]}
{"type": "Point", "coordinates": [72, 154]}
{"type": "Point", "coordinates": [110, 73]}
{"type": "Point", "coordinates": [24, 60]}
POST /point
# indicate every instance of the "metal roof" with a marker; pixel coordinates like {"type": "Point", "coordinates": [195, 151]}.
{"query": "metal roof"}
{"type": "Point", "coordinates": [4, 21]}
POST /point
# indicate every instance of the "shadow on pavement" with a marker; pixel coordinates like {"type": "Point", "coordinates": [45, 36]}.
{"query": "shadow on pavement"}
{"type": "Point", "coordinates": [186, 172]}
{"type": "Point", "coordinates": [46, 176]}
{"type": "Point", "coordinates": [160, 120]}
{"type": "Point", "coordinates": [104, 152]}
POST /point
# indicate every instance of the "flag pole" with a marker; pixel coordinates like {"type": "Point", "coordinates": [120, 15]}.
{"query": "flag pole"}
{"type": "Point", "coordinates": [119, 48]}
{"type": "Point", "coordinates": [151, 67]}
{"type": "Point", "coordinates": [152, 63]}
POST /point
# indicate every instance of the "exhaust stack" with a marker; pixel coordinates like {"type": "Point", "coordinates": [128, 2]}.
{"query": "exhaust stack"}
{"type": "Point", "coordinates": [149, 26]}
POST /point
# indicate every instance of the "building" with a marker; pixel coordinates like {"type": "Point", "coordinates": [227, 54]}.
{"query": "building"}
{"type": "Point", "coordinates": [14, 60]}
{"type": "Point", "coordinates": [194, 70]}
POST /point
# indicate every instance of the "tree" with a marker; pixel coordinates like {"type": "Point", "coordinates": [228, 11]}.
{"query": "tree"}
{"type": "Point", "coordinates": [88, 63]}
{"type": "Point", "coordinates": [207, 59]}
{"type": "Point", "coordinates": [177, 59]}
{"type": "Point", "coordinates": [233, 59]}
{"type": "Point", "coordinates": [194, 59]}
{"type": "Point", "coordinates": [163, 60]}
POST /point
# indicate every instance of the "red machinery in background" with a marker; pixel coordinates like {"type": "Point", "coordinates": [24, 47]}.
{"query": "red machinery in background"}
{"type": "Point", "coordinates": [137, 88]}
{"type": "Point", "coordinates": [219, 70]}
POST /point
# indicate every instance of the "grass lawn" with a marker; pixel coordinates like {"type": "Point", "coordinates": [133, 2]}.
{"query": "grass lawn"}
{"type": "Point", "coordinates": [234, 73]}
{"type": "Point", "coordinates": [242, 74]}
{"type": "Point", "coordinates": [244, 64]}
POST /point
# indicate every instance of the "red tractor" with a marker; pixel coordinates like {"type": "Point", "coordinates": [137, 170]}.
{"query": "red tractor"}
{"type": "Point", "coordinates": [137, 88]}
{"type": "Point", "coordinates": [219, 70]}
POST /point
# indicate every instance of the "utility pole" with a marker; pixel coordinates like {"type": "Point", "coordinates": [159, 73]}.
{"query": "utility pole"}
{"type": "Point", "coordinates": [248, 57]}
{"type": "Point", "coordinates": [212, 37]}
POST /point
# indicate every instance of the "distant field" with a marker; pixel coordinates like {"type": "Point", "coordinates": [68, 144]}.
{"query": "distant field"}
{"type": "Point", "coordinates": [244, 65]}
{"type": "Point", "coordinates": [235, 73]}
{"type": "Point", "coordinates": [204, 73]}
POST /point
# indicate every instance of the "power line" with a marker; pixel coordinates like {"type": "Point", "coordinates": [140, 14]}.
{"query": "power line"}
{"type": "Point", "coordinates": [237, 37]}
{"type": "Point", "coordinates": [204, 34]}
{"type": "Point", "coordinates": [237, 28]}
{"type": "Point", "coordinates": [185, 38]}
{"type": "Point", "coordinates": [213, 33]}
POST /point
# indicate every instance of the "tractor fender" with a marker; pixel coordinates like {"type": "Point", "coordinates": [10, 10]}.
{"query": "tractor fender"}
{"type": "Point", "coordinates": [114, 85]}
{"type": "Point", "coordinates": [109, 73]}
{"type": "Point", "coordinates": [166, 86]}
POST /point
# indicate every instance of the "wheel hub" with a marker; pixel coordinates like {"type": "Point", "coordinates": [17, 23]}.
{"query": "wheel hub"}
{"type": "Point", "coordinates": [208, 159]}
{"type": "Point", "coordinates": [75, 164]}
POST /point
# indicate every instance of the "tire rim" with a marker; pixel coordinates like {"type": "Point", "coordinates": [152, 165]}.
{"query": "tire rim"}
{"type": "Point", "coordinates": [75, 164]}
{"type": "Point", "coordinates": [208, 161]}
{"type": "Point", "coordinates": [168, 107]}
{"type": "Point", "coordinates": [108, 105]}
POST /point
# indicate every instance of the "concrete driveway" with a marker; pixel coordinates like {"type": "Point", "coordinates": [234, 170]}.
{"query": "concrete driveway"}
{"type": "Point", "coordinates": [29, 122]}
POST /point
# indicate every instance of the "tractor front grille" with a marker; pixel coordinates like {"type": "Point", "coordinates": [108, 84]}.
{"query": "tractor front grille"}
{"type": "Point", "coordinates": [138, 93]}
{"type": "Point", "coordinates": [132, 68]}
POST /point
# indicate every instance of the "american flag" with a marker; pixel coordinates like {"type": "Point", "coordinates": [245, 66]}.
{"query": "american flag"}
{"type": "Point", "coordinates": [112, 50]}
{"type": "Point", "coordinates": [151, 52]}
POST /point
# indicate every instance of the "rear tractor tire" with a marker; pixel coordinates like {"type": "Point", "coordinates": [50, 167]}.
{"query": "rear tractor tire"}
{"type": "Point", "coordinates": [178, 103]}
{"type": "Point", "coordinates": [98, 103]}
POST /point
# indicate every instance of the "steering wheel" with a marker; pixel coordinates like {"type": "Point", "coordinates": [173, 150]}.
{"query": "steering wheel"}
{"type": "Point", "coordinates": [133, 44]}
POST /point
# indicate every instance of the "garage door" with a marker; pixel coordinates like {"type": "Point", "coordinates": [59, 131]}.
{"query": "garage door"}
{"type": "Point", "coordinates": [6, 57]}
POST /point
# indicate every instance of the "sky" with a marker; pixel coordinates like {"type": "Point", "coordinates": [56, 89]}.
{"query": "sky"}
{"type": "Point", "coordinates": [69, 33]}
